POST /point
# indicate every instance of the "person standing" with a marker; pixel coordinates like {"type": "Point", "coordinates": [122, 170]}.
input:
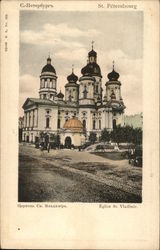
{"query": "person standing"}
{"type": "Point", "coordinates": [48, 147]}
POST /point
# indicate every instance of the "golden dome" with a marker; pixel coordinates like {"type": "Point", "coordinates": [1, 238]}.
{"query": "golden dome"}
{"type": "Point", "coordinates": [74, 124]}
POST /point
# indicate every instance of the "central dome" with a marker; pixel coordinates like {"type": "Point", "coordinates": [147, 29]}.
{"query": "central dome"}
{"type": "Point", "coordinates": [91, 69]}
{"type": "Point", "coordinates": [74, 124]}
{"type": "Point", "coordinates": [92, 53]}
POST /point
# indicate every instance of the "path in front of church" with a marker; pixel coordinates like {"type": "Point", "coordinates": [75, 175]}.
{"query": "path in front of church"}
{"type": "Point", "coordinates": [71, 176]}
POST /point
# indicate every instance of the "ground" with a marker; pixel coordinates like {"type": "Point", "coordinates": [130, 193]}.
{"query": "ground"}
{"type": "Point", "coordinates": [72, 176]}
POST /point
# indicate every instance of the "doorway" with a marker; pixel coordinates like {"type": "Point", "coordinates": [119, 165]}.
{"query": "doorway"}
{"type": "Point", "coordinates": [68, 142]}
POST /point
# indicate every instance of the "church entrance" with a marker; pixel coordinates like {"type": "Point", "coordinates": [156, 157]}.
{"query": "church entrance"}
{"type": "Point", "coordinates": [114, 124]}
{"type": "Point", "coordinates": [68, 142]}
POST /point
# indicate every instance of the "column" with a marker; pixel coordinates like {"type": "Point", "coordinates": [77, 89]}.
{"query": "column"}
{"type": "Point", "coordinates": [35, 117]}
{"type": "Point", "coordinates": [27, 119]}
{"type": "Point", "coordinates": [110, 120]}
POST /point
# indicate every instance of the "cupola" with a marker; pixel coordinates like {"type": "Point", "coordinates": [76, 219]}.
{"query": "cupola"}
{"type": "Point", "coordinates": [113, 76]}
{"type": "Point", "coordinates": [48, 67]}
{"type": "Point", "coordinates": [92, 55]}
{"type": "Point", "coordinates": [72, 78]}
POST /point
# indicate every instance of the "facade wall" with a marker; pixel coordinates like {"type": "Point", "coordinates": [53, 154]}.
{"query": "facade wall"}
{"type": "Point", "coordinates": [113, 87]}
{"type": "Point", "coordinates": [73, 92]}
{"type": "Point", "coordinates": [88, 85]}
{"type": "Point", "coordinates": [97, 87]}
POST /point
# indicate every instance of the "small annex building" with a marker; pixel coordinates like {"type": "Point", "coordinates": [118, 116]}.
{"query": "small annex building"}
{"type": "Point", "coordinates": [72, 133]}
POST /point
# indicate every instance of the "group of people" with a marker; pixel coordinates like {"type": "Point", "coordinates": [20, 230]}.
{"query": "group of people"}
{"type": "Point", "coordinates": [45, 146]}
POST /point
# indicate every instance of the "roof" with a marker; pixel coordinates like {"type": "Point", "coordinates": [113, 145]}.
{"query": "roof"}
{"type": "Point", "coordinates": [72, 78]}
{"type": "Point", "coordinates": [60, 95]}
{"type": "Point", "coordinates": [48, 67]}
{"type": "Point", "coordinates": [92, 53]}
{"type": "Point", "coordinates": [113, 76]}
{"type": "Point", "coordinates": [74, 124]}
{"type": "Point", "coordinates": [60, 103]}
{"type": "Point", "coordinates": [33, 101]}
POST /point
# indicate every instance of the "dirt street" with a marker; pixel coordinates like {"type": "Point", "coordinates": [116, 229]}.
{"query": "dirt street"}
{"type": "Point", "coordinates": [70, 176]}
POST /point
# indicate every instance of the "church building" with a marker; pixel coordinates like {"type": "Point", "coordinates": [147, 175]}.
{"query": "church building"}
{"type": "Point", "coordinates": [84, 108]}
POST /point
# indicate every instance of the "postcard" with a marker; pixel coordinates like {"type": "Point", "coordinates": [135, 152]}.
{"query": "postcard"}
{"type": "Point", "coordinates": [80, 124]}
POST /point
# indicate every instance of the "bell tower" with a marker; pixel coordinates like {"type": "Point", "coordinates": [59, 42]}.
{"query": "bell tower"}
{"type": "Point", "coordinates": [113, 98]}
{"type": "Point", "coordinates": [72, 87]}
{"type": "Point", "coordinates": [48, 81]}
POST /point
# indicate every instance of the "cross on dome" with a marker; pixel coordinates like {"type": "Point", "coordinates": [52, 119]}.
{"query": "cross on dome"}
{"type": "Point", "coordinates": [72, 68]}
{"type": "Point", "coordinates": [113, 64]}
{"type": "Point", "coordinates": [92, 44]}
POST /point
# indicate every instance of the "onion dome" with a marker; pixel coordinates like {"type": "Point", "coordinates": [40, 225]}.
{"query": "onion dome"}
{"type": "Point", "coordinates": [72, 78]}
{"type": "Point", "coordinates": [113, 96]}
{"type": "Point", "coordinates": [60, 95]}
{"type": "Point", "coordinates": [113, 76]}
{"type": "Point", "coordinates": [48, 67]}
{"type": "Point", "coordinates": [74, 124]}
{"type": "Point", "coordinates": [92, 53]}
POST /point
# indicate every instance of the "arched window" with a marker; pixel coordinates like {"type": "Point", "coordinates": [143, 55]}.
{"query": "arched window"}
{"type": "Point", "coordinates": [43, 84]}
{"type": "Point", "coordinates": [47, 122]}
{"type": "Point", "coordinates": [84, 124]}
{"type": "Point", "coordinates": [70, 98]}
{"type": "Point", "coordinates": [59, 123]}
{"type": "Point", "coordinates": [94, 124]}
{"type": "Point", "coordinates": [114, 123]}
{"type": "Point", "coordinates": [96, 88]}
{"type": "Point", "coordinates": [85, 92]}
{"type": "Point", "coordinates": [48, 83]}
{"type": "Point", "coordinates": [99, 124]}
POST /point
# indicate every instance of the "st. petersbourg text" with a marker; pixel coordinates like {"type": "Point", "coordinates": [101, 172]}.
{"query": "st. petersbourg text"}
{"type": "Point", "coordinates": [121, 6]}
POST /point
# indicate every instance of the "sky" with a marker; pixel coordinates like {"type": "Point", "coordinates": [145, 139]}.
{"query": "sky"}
{"type": "Point", "coordinates": [67, 35]}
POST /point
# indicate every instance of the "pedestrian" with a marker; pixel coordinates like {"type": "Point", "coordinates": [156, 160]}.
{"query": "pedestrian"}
{"type": "Point", "coordinates": [48, 147]}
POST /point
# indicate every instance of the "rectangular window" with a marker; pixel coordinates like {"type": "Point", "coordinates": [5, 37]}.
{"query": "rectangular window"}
{"type": "Point", "coordinates": [59, 123]}
{"type": "Point", "coordinates": [94, 124]}
{"type": "Point", "coordinates": [47, 122]}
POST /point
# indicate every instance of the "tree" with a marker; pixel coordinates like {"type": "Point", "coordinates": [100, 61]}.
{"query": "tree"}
{"type": "Point", "coordinates": [105, 135]}
{"type": "Point", "coordinates": [127, 134]}
{"type": "Point", "coordinates": [117, 135]}
{"type": "Point", "coordinates": [54, 138]}
{"type": "Point", "coordinates": [137, 138]}
{"type": "Point", "coordinates": [92, 137]}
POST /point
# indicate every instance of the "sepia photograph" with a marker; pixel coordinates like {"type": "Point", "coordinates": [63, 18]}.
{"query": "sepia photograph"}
{"type": "Point", "coordinates": [80, 106]}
